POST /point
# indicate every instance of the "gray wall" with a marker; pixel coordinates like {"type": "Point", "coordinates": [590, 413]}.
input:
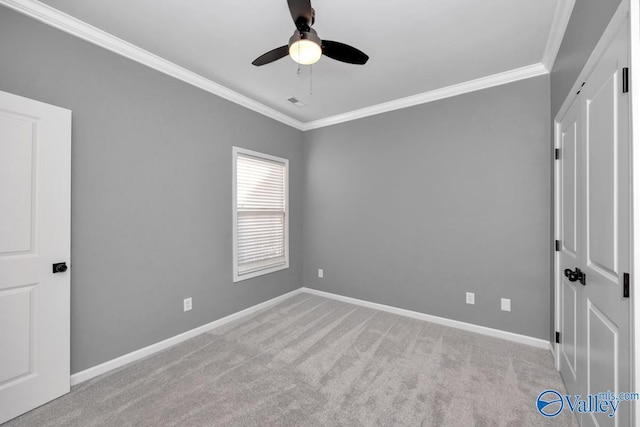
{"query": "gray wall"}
{"type": "Point", "coordinates": [151, 190]}
{"type": "Point", "coordinates": [588, 21]}
{"type": "Point", "coordinates": [413, 208]}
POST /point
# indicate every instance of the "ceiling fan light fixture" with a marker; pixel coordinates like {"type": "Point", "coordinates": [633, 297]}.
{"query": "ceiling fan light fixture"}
{"type": "Point", "coordinates": [305, 52]}
{"type": "Point", "coordinates": [305, 47]}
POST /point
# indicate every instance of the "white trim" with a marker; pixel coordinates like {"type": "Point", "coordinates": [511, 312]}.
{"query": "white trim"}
{"type": "Point", "coordinates": [110, 365]}
{"type": "Point", "coordinates": [634, 65]}
{"type": "Point", "coordinates": [564, 8]}
{"type": "Point", "coordinates": [498, 79]}
{"type": "Point", "coordinates": [236, 276]}
{"type": "Point", "coordinates": [510, 336]}
{"type": "Point", "coordinates": [619, 18]}
{"type": "Point", "coordinates": [75, 27]}
{"type": "Point", "coordinates": [557, 128]}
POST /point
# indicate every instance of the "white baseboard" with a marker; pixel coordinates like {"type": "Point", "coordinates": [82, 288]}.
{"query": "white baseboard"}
{"type": "Point", "coordinates": [510, 336]}
{"type": "Point", "coordinates": [110, 365]}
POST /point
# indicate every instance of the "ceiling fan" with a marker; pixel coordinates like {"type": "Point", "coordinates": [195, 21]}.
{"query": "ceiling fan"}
{"type": "Point", "coordinates": [305, 47]}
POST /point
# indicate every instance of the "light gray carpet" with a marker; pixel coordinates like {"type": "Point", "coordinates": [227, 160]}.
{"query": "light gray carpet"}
{"type": "Point", "coordinates": [311, 361]}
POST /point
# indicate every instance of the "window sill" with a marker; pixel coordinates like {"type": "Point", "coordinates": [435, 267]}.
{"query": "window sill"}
{"type": "Point", "coordinates": [237, 278]}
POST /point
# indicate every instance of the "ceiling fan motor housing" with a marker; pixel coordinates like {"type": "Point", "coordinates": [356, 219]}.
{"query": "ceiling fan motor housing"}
{"type": "Point", "coordinates": [310, 35]}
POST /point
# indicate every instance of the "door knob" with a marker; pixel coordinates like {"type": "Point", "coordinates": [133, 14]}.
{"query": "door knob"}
{"type": "Point", "coordinates": [571, 275]}
{"type": "Point", "coordinates": [60, 267]}
{"type": "Point", "coordinates": [576, 275]}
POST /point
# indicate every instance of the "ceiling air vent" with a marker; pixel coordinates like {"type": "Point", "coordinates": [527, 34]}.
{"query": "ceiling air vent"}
{"type": "Point", "coordinates": [295, 102]}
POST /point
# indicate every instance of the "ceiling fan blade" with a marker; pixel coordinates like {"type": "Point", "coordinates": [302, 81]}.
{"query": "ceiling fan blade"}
{"type": "Point", "coordinates": [301, 9]}
{"type": "Point", "coordinates": [344, 52]}
{"type": "Point", "coordinates": [272, 55]}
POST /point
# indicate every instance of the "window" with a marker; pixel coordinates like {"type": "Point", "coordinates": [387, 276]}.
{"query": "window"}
{"type": "Point", "coordinates": [260, 214]}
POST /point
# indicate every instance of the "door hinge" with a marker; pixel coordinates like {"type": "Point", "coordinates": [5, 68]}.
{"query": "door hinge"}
{"type": "Point", "coordinates": [557, 245]}
{"type": "Point", "coordinates": [625, 285]}
{"type": "Point", "coordinates": [625, 80]}
{"type": "Point", "coordinates": [557, 154]}
{"type": "Point", "coordinates": [557, 337]}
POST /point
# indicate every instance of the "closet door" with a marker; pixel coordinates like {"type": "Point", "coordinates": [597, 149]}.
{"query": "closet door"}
{"type": "Point", "coordinates": [594, 214]}
{"type": "Point", "coordinates": [570, 293]}
{"type": "Point", "coordinates": [605, 227]}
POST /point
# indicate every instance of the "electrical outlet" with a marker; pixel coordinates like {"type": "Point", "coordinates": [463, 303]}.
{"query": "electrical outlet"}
{"type": "Point", "coordinates": [471, 298]}
{"type": "Point", "coordinates": [320, 273]}
{"type": "Point", "coordinates": [505, 304]}
{"type": "Point", "coordinates": [187, 304]}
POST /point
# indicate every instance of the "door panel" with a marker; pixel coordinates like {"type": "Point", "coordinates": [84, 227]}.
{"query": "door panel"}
{"type": "Point", "coordinates": [569, 180]}
{"type": "Point", "coordinates": [35, 170]}
{"type": "Point", "coordinates": [602, 174]}
{"type": "Point", "coordinates": [602, 350]}
{"type": "Point", "coordinates": [569, 325]}
{"type": "Point", "coordinates": [16, 170]}
{"type": "Point", "coordinates": [602, 359]}
{"type": "Point", "coordinates": [15, 304]}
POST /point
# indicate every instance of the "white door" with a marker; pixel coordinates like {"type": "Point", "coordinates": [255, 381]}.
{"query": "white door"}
{"type": "Point", "coordinates": [595, 351]}
{"type": "Point", "coordinates": [570, 240]}
{"type": "Point", "coordinates": [35, 171]}
{"type": "Point", "coordinates": [605, 225]}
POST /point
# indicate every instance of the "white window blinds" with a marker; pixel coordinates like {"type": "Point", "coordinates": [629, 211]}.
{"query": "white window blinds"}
{"type": "Point", "coordinates": [260, 209]}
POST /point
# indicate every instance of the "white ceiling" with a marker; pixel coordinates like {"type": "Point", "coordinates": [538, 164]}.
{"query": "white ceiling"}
{"type": "Point", "coordinates": [415, 46]}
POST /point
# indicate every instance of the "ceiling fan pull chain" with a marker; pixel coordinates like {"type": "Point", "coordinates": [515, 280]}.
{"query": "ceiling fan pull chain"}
{"type": "Point", "coordinates": [310, 79]}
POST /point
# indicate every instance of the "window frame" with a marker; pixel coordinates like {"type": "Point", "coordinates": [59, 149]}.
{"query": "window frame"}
{"type": "Point", "coordinates": [268, 157]}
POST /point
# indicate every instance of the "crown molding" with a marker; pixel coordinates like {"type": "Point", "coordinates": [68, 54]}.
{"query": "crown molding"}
{"type": "Point", "coordinates": [75, 27]}
{"type": "Point", "coordinates": [434, 95]}
{"type": "Point", "coordinates": [564, 8]}
{"type": "Point", "coordinates": [80, 29]}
